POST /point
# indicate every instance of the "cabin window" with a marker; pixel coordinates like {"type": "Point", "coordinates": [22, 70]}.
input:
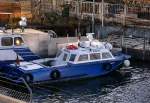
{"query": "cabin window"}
{"type": "Point", "coordinates": [7, 41]}
{"type": "Point", "coordinates": [72, 57]}
{"type": "Point", "coordinates": [65, 57]}
{"type": "Point", "coordinates": [106, 55]}
{"type": "Point", "coordinates": [18, 41]}
{"type": "Point", "coordinates": [83, 58]}
{"type": "Point", "coordinates": [94, 56]}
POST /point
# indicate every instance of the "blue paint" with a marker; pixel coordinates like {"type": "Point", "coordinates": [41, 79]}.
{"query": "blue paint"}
{"type": "Point", "coordinates": [26, 54]}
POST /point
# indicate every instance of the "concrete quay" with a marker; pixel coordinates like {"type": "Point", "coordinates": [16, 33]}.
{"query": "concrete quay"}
{"type": "Point", "coordinates": [7, 99]}
{"type": "Point", "coordinates": [137, 47]}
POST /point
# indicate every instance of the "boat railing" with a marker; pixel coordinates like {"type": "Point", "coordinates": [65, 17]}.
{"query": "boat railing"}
{"type": "Point", "coordinates": [29, 89]}
{"type": "Point", "coordinates": [22, 92]}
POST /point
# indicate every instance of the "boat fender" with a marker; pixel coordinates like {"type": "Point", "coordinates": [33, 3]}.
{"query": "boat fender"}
{"type": "Point", "coordinates": [107, 67]}
{"type": "Point", "coordinates": [55, 74]}
{"type": "Point", "coordinates": [28, 78]}
{"type": "Point", "coordinates": [126, 63]}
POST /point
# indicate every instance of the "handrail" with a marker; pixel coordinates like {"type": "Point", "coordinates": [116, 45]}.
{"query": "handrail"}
{"type": "Point", "coordinates": [24, 82]}
{"type": "Point", "coordinates": [29, 88]}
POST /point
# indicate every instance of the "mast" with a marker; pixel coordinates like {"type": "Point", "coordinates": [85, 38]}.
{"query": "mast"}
{"type": "Point", "coordinates": [93, 15]}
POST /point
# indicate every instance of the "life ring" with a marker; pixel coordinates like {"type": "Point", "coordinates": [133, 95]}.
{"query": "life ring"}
{"type": "Point", "coordinates": [28, 78]}
{"type": "Point", "coordinates": [55, 74]}
{"type": "Point", "coordinates": [107, 67]}
{"type": "Point", "coordinates": [72, 47]}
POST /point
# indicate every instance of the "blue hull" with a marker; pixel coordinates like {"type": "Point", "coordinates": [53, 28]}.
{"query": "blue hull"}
{"type": "Point", "coordinates": [87, 70]}
{"type": "Point", "coordinates": [66, 72]}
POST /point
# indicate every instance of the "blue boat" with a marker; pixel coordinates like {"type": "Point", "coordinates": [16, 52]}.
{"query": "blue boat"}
{"type": "Point", "coordinates": [86, 60]}
{"type": "Point", "coordinates": [16, 61]}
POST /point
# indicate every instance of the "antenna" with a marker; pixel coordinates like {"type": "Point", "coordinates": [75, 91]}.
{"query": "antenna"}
{"type": "Point", "coordinates": [17, 60]}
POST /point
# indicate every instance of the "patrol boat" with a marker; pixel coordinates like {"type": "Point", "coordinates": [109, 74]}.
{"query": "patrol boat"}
{"type": "Point", "coordinates": [89, 59]}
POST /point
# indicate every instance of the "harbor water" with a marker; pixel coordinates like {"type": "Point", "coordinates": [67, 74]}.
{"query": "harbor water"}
{"type": "Point", "coordinates": [128, 85]}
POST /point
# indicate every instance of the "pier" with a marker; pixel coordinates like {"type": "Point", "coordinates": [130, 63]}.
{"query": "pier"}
{"type": "Point", "coordinates": [135, 42]}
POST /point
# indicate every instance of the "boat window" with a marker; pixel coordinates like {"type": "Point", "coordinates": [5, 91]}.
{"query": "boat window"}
{"type": "Point", "coordinates": [94, 56]}
{"type": "Point", "coordinates": [106, 55]}
{"type": "Point", "coordinates": [72, 57]}
{"type": "Point", "coordinates": [83, 58]}
{"type": "Point", "coordinates": [65, 57]}
{"type": "Point", "coordinates": [18, 41]}
{"type": "Point", "coordinates": [7, 41]}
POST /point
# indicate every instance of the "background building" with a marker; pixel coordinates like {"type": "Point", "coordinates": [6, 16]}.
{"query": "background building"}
{"type": "Point", "coordinates": [12, 10]}
{"type": "Point", "coordinates": [8, 10]}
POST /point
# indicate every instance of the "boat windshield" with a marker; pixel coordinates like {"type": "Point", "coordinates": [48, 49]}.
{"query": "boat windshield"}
{"type": "Point", "coordinates": [72, 57]}
{"type": "Point", "coordinates": [65, 57]}
{"type": "Point", "coordinates": [58, 53]}
{"type": "Point", "coordinates": [7, 41]}
{"type": "Point", "coordinates": [106, 55]}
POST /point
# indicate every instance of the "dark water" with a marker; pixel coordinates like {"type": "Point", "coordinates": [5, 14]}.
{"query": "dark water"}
{"type": "Point", "coordinates": [129, 85]}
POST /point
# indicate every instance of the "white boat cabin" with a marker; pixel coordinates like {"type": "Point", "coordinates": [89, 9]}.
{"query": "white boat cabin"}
{"type": "Point", "coordinates": [76, 55]}
{"type": "Point", "coordinates": [7, 45]}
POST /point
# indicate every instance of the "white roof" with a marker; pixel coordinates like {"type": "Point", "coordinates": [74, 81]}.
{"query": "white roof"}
{"type": "Point", "coordinates": [9, 35]}
{"type": "Point", "coordinates": [86, 50]}
{"type": "Point", "coordinates": [28, 66]}
{"type": "Point", "coordinates": [12, 36]}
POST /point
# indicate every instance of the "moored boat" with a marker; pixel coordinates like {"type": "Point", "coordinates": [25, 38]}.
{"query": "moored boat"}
{"type": "Point", "coordinates": [16, 60]}
{"type": "Point", "coordinates": [89, 59]}
{"type": "Point", "coordinates": [86, 60]}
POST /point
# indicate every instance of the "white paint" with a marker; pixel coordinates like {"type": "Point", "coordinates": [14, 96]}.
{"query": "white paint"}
{"type": "Point", "coordinates": [12, 46]}
{"type": "Point", "coordinates": [44, 60]}
{"type": "Point", "coordinates": [8, 55]}
{"type": "Point", "coordinates": [126, 63]}
{"type": "Point", "coordinates": [90, 36]}
{"type": "Point", "coordinates": [29, 66]}
{"type": "Point", "coordinates": [89, 48]}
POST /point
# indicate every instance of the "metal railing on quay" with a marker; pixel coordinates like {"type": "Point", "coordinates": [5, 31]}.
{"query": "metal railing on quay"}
{"type": "Point", "coordinates": [21, 91]}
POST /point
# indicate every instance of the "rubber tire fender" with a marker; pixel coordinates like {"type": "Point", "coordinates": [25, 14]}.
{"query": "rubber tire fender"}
{"type": "Point", "coordinates": [55, 74]}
